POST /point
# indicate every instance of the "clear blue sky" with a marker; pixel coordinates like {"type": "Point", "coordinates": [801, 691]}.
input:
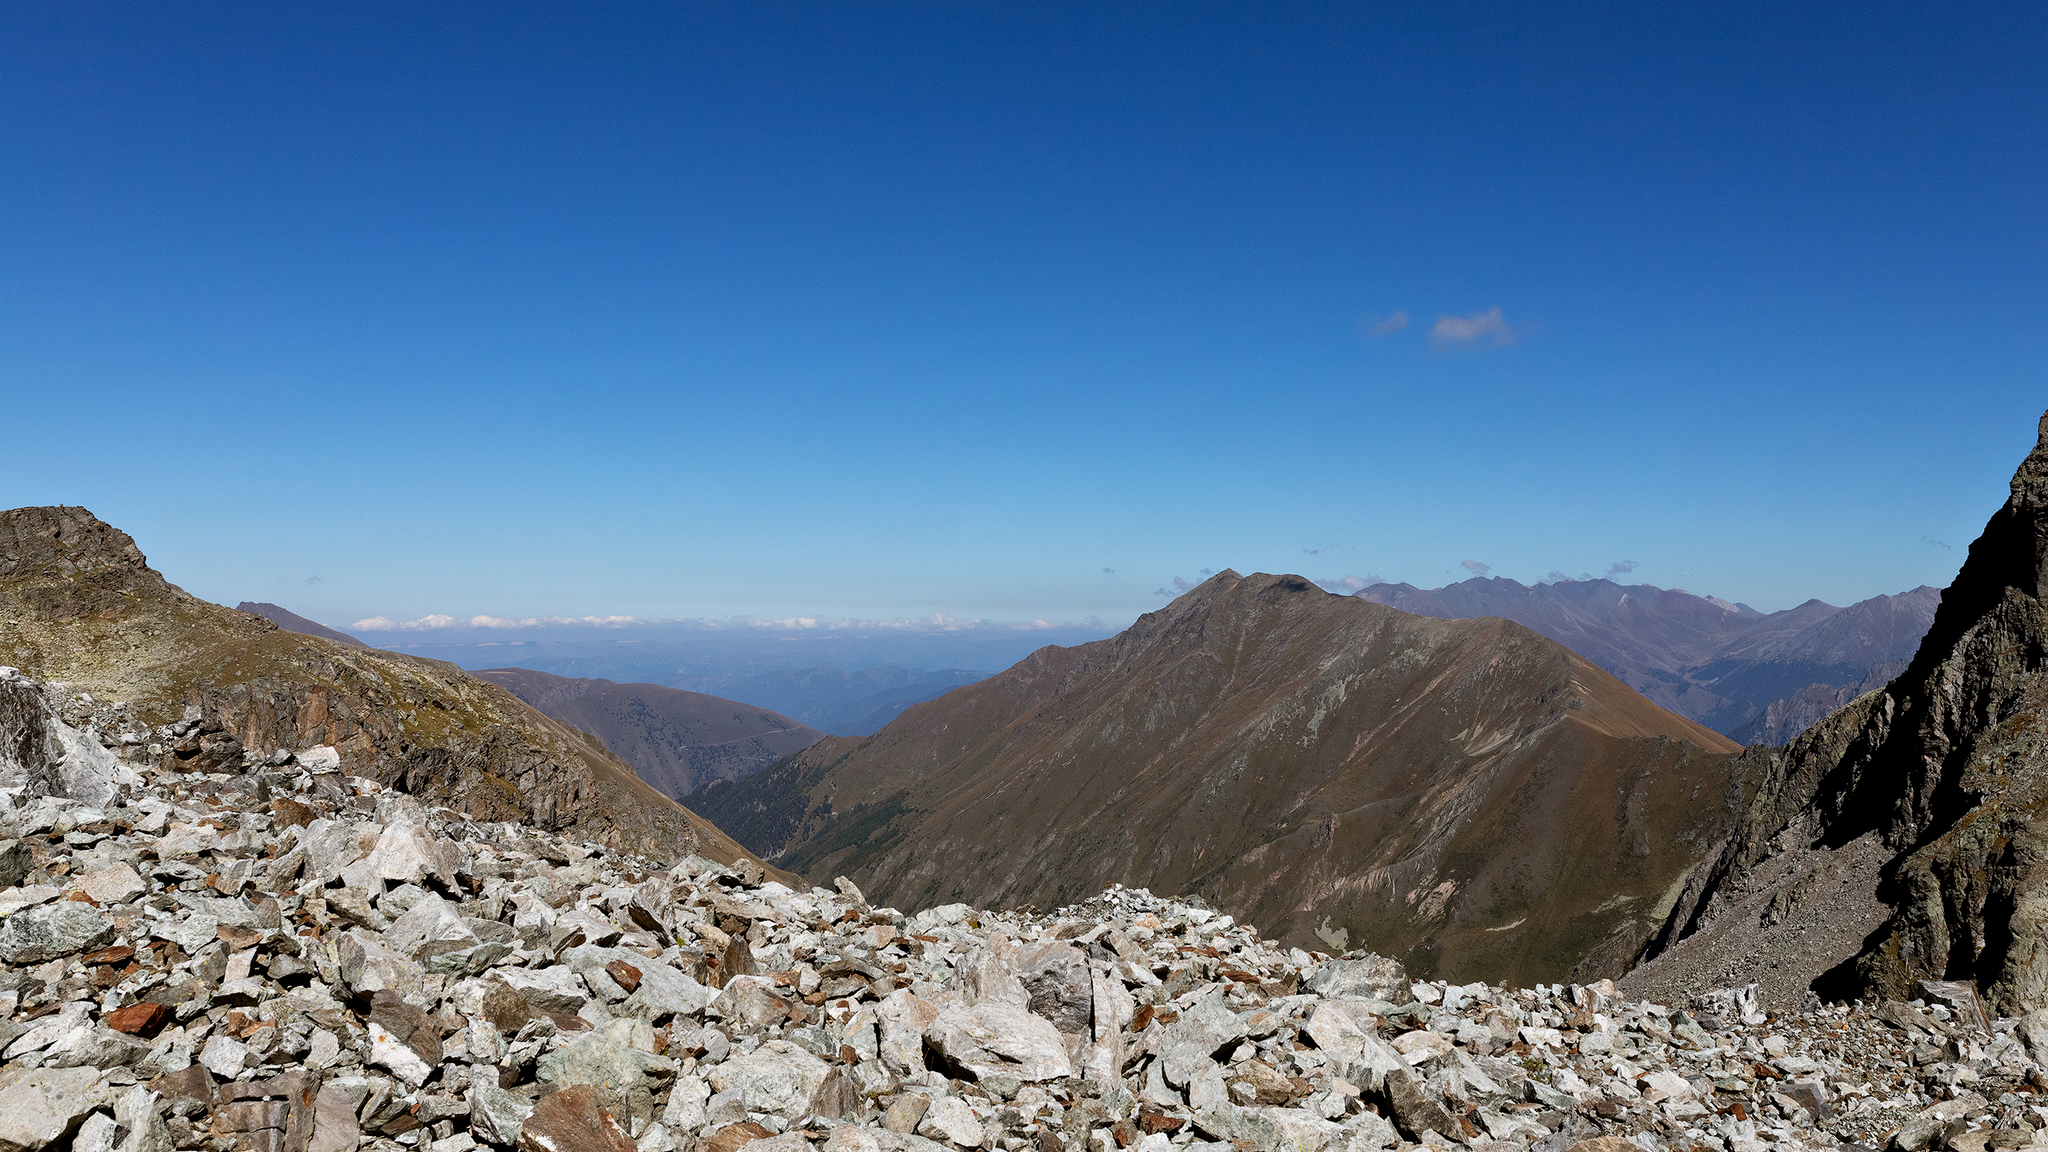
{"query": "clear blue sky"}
{"type": "Point", "coordinates": [880, 310]}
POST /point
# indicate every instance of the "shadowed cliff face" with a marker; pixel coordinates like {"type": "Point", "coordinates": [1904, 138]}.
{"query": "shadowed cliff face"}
{"type": "Point", "coordinates": [1947, 766]}
{"type": "Point", "coordinates": [1466, 794]}
{"type": "Point", "coordinates": [80, 604]}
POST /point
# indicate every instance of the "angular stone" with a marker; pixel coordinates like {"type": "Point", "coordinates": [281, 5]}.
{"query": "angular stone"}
{"type": "Point", "coordinates": [1055, 975]}
{"type": "Point", "coordinates": [368, 966]}
{"type": "Point", "coordinates": [224, 1056]}
{"type": "Point", "coordinates": [906, 1112]}
{"type": "Point", "coordinates": [751, 1002]}
{"type": "Point", "coordinates": [1414, 1112]}
{"type": "Point", "coordinates": [734, 1136]}
{"type": "Point", "coordinates": [393, 1054]}
{"type": "Point", "coordinates": [34, 935]}
{"type": "Point", "coordinates": [1195, 1039]}
{"type": "Point", "coordinates": [409, 854]}
{"type": "Point", "coordinates": [143, 1019]}
{"type": "Point", "coordinates": [429, 928]}
{"type": "Point", "coordinates": [781, 1082]}
{"type": "Point", "coordinates": [949, 1118]}
{"type": "Point", "coordinates": [1422, 1045]}
{"type": "Point", "coordinates": [1369, 978]}
{"type": "Point", "coordinates": [409, 1024]}
{"type": "Point", "coordinates": [114, 884]}
{"type": "Point", "coordinates": [16, 862]}
{"type": "Point", "coordinates": [557, 989]}
{"type": "Point", "coordinates": [41, 1107]}
{"type": "Point", "coordinates": [495, 1115]}
{"type": "Point", "coordinates": [900, 1020]}
{"type": "Point", "coordinates": [623, 974]}
{"type": "Point", "coordinates": [994, 1038]}
{"type": "Point", "coordinates": [628, 1076]}
{"type": "Point", "coordinates": [574, 1119]}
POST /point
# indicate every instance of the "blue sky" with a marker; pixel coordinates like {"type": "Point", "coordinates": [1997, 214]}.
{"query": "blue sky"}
{"type": "Point", "coordinates": [883, 310]}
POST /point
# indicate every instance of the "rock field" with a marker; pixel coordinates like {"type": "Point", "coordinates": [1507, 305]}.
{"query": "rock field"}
{"type": "Point", "coordinates": [285, 957]}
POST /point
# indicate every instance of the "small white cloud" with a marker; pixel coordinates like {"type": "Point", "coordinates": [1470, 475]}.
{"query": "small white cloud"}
{"type": "Point", "coordinates": [376, 624]}
{"type": "Point", "coordinates": [1487, 325]}
{"type": "Point", "coordinates": [1475, 567]}
{"type": "Point", "coordinates": [1374, 327]}
{"type": "Point", "coordinates": [1622, 568]}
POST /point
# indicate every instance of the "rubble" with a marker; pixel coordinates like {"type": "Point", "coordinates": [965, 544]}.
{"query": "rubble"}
{"type": "Point", "coordinates": [287, 959]}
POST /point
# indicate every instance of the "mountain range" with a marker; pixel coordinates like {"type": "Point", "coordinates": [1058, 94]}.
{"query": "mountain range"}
{"type": "Point", "coordinates": [1468, 795]}
{"type": "Point", "coordinates": [1740, 672]}
{"type": "Point", "coordinates": [675, 740]}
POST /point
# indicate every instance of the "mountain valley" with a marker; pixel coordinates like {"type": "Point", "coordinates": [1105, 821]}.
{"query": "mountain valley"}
{"type": "Point", "coordinates": [676, 741]}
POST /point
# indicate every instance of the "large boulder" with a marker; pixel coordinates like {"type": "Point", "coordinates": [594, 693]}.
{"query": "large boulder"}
{"type": "Point", "coordinates": [41, 1107]}
{"type": "Point", "coordinates": [34, 935]}
{"type": "Point", "coordinates": [993, 1038]}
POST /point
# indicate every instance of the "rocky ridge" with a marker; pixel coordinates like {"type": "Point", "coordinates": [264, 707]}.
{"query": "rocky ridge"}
{"type": "Point", "coordinates": [293, 959]}
{"type": "Point", "coordinates": [170, 678]}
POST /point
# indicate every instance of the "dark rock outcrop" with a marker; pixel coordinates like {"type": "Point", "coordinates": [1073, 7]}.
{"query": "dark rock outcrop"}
{"type": "Point", "coordinates": [1930, 794]}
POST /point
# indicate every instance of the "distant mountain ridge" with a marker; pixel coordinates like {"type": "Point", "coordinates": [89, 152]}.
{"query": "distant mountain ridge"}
{"type": "Point", "coordinates": [1466, 794]}
{"type": "Point", "coordinates": [293, 622]}
{"type": "Point", "coordinates": [1725, 665]}
{"type": "Point", "coordinates": [843, 703]}
{"type": "Point", "coordinates": [676, 741]}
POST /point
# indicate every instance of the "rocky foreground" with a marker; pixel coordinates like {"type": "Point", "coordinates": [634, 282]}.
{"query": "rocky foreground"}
{"type": "Point", "coordinates": [284, 957]}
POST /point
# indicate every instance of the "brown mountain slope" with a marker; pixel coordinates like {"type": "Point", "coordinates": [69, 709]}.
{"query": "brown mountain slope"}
{"type": "Point", "coordinates": [1465, 794]}
{"type": "Point", "coordinates": [80, 604]}
{"type": "Point", "coordinates": [1907, 833]}
{"type": "Point", "coordinates": [677, 741]}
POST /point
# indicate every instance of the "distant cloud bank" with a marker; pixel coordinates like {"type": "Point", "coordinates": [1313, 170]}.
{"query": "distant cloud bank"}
{"type": "Point", "coordinates": [936, 622]}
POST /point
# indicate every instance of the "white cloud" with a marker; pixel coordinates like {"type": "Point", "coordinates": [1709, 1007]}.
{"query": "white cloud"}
{"type": "Point", "coordinates": [1375, 327]}
{"type": "Point", "coordinates": [1472, 329]}
{"type": "Point", "coordinates": [1476, 567]}
{"type": "Point", "coordinates": [387, 624]}
{"type": "Point", "coordinates": [1351, 585]}
{"type": "Point", "coordinates": [936, 622]}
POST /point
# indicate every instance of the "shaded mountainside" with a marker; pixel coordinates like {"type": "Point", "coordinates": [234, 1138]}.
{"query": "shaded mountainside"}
{"type": "Point", "coordinates": [82, 606]}
{"type": "Point", "coordinates": [677, 741]}
{"type": "Point", "coordinates": [1918, 814]}
{"type": "Point", "coordinates": [843, 703]}
{"type": "Point", "coordinates": [1724, 665]}
{"type": "Point", "coordinates": [291, 621]}
{"type": "Point", "coordinates": [1466, 794]}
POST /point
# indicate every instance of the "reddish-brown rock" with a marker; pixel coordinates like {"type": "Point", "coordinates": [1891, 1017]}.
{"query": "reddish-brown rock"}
{"type": "Point", "coordinates": [574, 1119]}
{"type": "Point", "coordinates": [143, 1019]}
